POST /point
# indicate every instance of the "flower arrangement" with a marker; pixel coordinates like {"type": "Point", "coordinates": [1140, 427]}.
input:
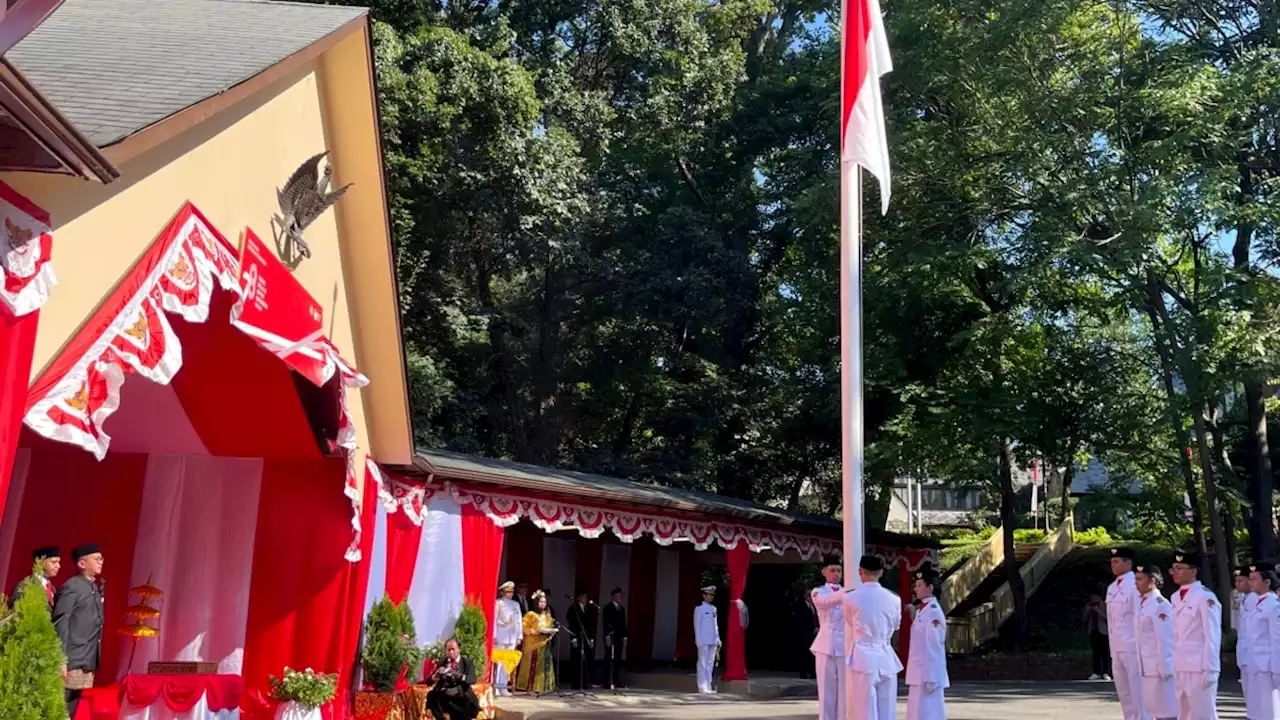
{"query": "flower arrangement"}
{"type": "Point", "coordinates": [307, 687]}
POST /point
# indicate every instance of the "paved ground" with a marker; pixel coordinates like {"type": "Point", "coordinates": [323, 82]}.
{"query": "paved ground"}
{"type": "Point", "coordinates": [967, 701]}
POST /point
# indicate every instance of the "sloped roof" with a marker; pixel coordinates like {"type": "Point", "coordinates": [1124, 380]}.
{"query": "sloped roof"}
{"type": "Point", "coordinates": [114, 67]}
{"type": "Point", "coordinates": [570, 482]}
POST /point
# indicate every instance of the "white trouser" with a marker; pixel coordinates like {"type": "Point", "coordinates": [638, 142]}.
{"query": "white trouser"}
{"type": "Point", "coordinates": [1260, 697]}
{"type": "Point", "coordinates": [830, 671]}
{"type": "Point", "coordinates": [1157, 697]}
{"type": "Point", "coordinates": [871, 697]}
{"type": "Point", "coordinates": [1128, 677]}
{"type": "Point", "coordinates": [501, 680]}
{"type": "Point", "coordinates": [1244, 680]}
{"type": "Point", "coordinates": [706, 666]}
{"type": "Point", "coordinates": [924, 705]}
{"type": "Point", "coordinates": [1197, 697]}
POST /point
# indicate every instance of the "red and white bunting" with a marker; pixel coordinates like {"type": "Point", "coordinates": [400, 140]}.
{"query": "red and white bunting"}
{"type": "Point", "coordinates": [193, 261]}
{"type": "Point", "coordinates": [26, 273]}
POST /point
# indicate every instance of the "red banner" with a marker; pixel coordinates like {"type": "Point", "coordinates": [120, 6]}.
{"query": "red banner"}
{"type": "Point", "coordinates": [278, 311]}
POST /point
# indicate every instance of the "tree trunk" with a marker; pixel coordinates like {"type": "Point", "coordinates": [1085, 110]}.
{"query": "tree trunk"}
{"type": "Point", "coordinates": [1068, 475]}
{"type": "Point", "coordinates": [1262, 532]}
{"type": "Point", "coordinates": [1229, 506]}
{"type": "Point", "coordinates": [1013, 574]}
{"type": "Point", "coordinates": [1165, 355]}
{"type": "Point", "coordinates": [1222, 575]}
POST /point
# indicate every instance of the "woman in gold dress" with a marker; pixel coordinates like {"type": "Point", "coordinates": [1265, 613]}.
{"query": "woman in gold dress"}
{"type": "Point", "coordinates": [535, 674]}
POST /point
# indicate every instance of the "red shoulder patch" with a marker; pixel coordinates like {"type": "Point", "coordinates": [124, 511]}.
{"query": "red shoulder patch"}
{"type": "Point", "coordinates": [1163, 616]}
{"type": "Point", "coordinates": [937, 622]}
{"type": "Point", "coordinates": [1211, 602]}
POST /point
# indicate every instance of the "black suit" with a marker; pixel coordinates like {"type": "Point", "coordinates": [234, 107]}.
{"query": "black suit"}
{"type": "Point", "coordinates": [452, 694]}
{"type": "Point", "coordinates": [523, 602]}
{"type": "Point", "coordinates": [582, 645]}
{"type": "Point", "coordinates": [615, 633]}
{"type": "Point", "coordinates": [77, 616]}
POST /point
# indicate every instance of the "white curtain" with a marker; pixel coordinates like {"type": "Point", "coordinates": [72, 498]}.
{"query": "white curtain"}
{"type": "Point", "coordinates": [667, 605]}
{"type": "Point", "coordinates": [436, 594]}
{"type": "Point", "coordinates": [12, 507]}
{"type": "Point", "coordinates": [196, 529]}
{"type": "Point", "coordinates": [158, 711]}
{"type": "Point", "coordinates": [378, 561]}
{"type": "Point", "coordinates": [559, 573]}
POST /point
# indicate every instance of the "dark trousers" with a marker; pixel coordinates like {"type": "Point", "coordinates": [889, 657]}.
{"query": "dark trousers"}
{"type": "Point", "coordinates": [456, 707]}
{"type": "Point", "coordinates": [73, 701]}
{"type": "Point", "coordinates": [613, 663]}
{"type": "Point", "coordinates": [580, 663]}
{"type": "Point", "coordinates": [1101, 653]}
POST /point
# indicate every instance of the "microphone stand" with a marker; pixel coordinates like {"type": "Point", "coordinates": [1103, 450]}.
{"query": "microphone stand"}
{"type": "Point", "coordinates": [581, 691]}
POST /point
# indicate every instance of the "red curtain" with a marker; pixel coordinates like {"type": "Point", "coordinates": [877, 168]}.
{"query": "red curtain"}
{"type": "Point", "coordinates": [481, 556]}
{"type": "Point", "coordinates": [735, 661]}
{"type": "Point", "coordinates": [642, 603]}
{"type": "Point", "coordinates": [303, 595]}
{"type": "Point", "coordinates": [17, 341]}
{"type": "Point", "coordinates": [690, 583]}
{"type": "Point", "coordinates": [403, 541]}
{"type": "Point", "coordinates": [72, 499]}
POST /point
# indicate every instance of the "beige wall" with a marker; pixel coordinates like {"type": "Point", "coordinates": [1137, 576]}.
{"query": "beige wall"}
{"type": "Point", "coordinates": [230, 166]}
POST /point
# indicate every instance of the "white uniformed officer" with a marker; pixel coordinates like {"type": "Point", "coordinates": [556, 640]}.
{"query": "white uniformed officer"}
{"type": "Point", "coordinates": [828, 647]}
{"type": "Point", "coordinates": [706, 633]}
{"type": "Point", "coordinates": [1155, 645]}
{"type": "Point", "coordinates": [1261, 624]}
{"type": "Point", "coordinates": [1197, 641]}
{"type": "Point", "coordinates": [871, 614]}
{"type": "Point", "coordinates": [1123, 600]}
{"type": "Point", "coordinates": [927, 664]}
{"type": "Point", "coordinates": [1242, 603]}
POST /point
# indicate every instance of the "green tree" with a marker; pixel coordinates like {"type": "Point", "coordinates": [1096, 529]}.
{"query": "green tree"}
{"type": "Point", "coordinates": [31, 659]}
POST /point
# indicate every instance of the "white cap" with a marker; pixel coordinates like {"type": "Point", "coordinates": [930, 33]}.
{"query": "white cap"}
{"type": "Point", "coordinates": [508, 585]}
{"type": "Point", "coordinates": [709, 589]}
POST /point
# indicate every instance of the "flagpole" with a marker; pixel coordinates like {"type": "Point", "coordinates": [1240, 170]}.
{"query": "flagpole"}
{"type": "Point", "coordinates": [851, 428]}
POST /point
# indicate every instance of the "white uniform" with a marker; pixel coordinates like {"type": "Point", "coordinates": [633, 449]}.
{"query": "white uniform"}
{"type": "Point", "coordinates": [1197, 642]}
{"type": "Point", "coordinates": [1155, 656]}
{"type": "Point", "coordinates": [828, 651]}
{"type": "Point", "coordinates": [1242, 604]}
{"type": "Point", "coordinates": [1123, 600]}
{"type": "Point", "coordinates": [706, 633]}
{"type": "Point", "coordinates": [927, 663]}
{"type": "Point", "coordinates": [871, 614]}
{"type": "Point", "coordinates": [508, 631]}
{"type": "Point", "coordinates": [1261, 624]}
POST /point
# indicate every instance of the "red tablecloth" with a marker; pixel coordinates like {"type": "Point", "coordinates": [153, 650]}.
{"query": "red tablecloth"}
{"type": "Point", "coordinates": [179, 693]}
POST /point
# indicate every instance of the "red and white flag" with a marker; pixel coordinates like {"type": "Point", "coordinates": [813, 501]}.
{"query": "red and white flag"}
{"type": "Point", "coordinates": [865, 52]}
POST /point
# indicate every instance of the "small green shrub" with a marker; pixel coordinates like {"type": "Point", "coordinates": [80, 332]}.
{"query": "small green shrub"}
{"type": "Point", "coordinates": [470, 631]}
{"type": "Point", "coordinates": [31, 659]}
{"type": "Point", "coordinates": [1029, 536]}
{"type": "Point", "coordinates": [390, 643]}
{"type": "Point", "coordinates": [1093, 536]}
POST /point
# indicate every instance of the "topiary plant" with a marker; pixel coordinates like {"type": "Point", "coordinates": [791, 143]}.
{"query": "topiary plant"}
{"type": "Point", "coordinates": [389, 644]}
{"type": "Point", "coordinates": [471, 631]}
{"type": "Point", "coordinates": [31, 659]}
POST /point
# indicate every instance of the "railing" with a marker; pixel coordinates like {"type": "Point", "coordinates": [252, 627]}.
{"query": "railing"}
{"type": "Point", "coordinates": [960, 584]}
{"type": "Point", "coordinates": [965, 634]}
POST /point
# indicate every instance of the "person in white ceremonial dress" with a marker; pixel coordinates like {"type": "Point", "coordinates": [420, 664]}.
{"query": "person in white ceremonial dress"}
{"type": "Point", "coordinates": [927, 677]}
{"type": "Point", "coordinates": [828, 647]}
{"type": "Point", "coordinates": [871, 614]}
{"type": "Point", "coordinates": [1155, 645]}
{"type": "Point", "coordinates": [1122, 617]}
{"type": "Point", "coordinates": [1197, 641]}
{"type": "Point", "coordinates": [706, 634]}
{"type": "Point", "coordinates": [507, 633]}
{"type": "Point", "coordinates": [1242, 603]}
{"type": "Point", "coordinates": [1261, 624]}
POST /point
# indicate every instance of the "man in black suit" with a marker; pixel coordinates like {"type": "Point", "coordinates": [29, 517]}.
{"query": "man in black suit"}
{"type": "Point", "coordinates": [522, 597]}
{"type": "Point", "coordinates": [46, 566]}
{"type": "Point", "coordinates": [582, 642]}
{"type": "Point", "coordinates": [452, 694]}
{"type": "Point", "coordinates": [615, 637]}
{"type": "Point", "coordinates": [77, 616]}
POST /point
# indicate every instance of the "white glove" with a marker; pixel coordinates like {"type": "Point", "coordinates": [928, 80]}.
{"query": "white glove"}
{"type": "Point", "coordinates": [1211, 679]}
{"type": "Point", "coordinates": [930, 687]}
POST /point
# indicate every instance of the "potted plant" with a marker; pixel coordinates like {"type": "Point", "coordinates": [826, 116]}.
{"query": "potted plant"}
{"type": "Point", "coordinates": [471, 631]}
{"type": "Point", "coordinates": [30, 658]}
{"type": "Point", "coordinates": [301, 694]}
{"type": "Point", "coordinates": [390, 650]}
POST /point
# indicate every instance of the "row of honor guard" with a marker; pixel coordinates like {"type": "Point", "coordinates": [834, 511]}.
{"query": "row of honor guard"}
{"type": "Point", "coordinates": [1256, 617]}
{"type": "Point", "coordinates": [856, 663]}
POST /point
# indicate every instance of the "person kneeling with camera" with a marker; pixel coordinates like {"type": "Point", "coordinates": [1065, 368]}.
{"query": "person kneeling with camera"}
{"type": "Point", "coordinates": [452, 695]}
